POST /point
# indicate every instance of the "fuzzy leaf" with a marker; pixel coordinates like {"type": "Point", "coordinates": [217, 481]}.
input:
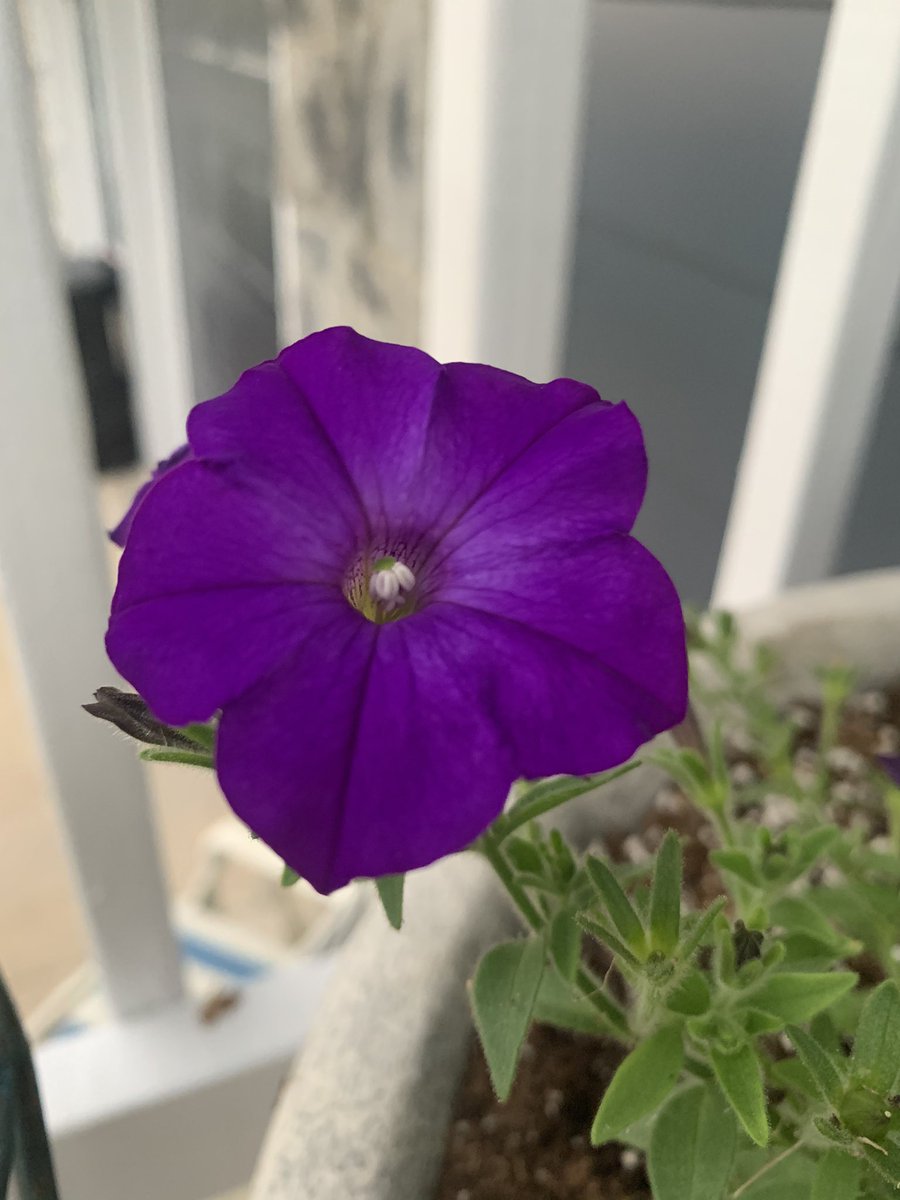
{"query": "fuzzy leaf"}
{"type": "Point", "coordinates": [837, 1177]}
{"type": "Point", "coordinates": [692, 1146]}
{"type": "Point", "coordinates": [813, 845]}
{"type": "Point", "coordinates": [885, 1161]}
{"type": "Point", "coordinates": [790, 1179]}
{"type": "Point", "coordinates": [390, 893]}
{"type": "Point", "coordinates": [798, 914]}
{"type": "Point", "coordinates": [797, 995]}
{"type": "Point", "coordinates": [524, 855]}
{"type": "Point", "coordinates": [560, 1005]}
{"type": "Point", "coordinates": [736, 862]}
{"type": "Point", "coordinates": [503, 996]}
{"type": "Point", "coordinates": [740, 1078]}
{"type": "Point", "coordinates": [876, 1050]}
{"type": "Point", "coordinates": [187, 758]}
{"type": "Point", "coordinates": [793, 1075]}
{"type": "Point", "coordinates": [620, 909]}
{"type": "Point", "coordinates": [665, 896]}
{"type": "Point", "coordinates": [699, 928]}
{"type": "Point", "coordinates": [824, 1071]}
{"type": "Point", "coordinates": [565, 944]}
{"type": "Point", "coordinates": [691, 997]}
{"type": "Point", "coordinates": [607, 938]}
{"type": "Point", "coordinates": [641, 1083]}
{"type": "Point", "coordinates": [203, 734]}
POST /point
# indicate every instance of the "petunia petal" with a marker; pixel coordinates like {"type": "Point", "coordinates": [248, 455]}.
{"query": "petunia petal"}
{"type": "Point", "coordinates": [217, 584]}
{"type": "Point", "coordinates": [190, 654]}
{"type": "Point", "coordinates": [422, 442]}
{"type": "Point", "coordinates": [581, 479]}
{"type": "Point", "coordinates": [372, 400]}
{"type": "Point", "coordinates": [119, 535]}
{"type": "Point", "coordinates": [371, 752]}
{"type": "Point", "coordinates": [490, 430]}
{"type": "Point", "coordinates": [592, 643]}
{"type": "Point", "coordinates": [264, 434]}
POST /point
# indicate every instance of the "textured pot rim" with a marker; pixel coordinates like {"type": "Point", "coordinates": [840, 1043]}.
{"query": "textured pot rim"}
{"type": "Point", "coordinates": [365, 1111]}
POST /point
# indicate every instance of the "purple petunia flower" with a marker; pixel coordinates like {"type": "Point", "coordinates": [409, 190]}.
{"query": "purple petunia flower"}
{"type": "Point", "coordinates": [119, 535]}
{"type": "Point", "coordinates": [404, 585]}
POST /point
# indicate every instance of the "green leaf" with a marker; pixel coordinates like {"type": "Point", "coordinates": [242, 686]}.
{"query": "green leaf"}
{"type": "Point", "coordinates": [606, 936]}
{"type": "Point", "coordinates": [560, 1005]}
{"type": "Point", "coordinates": [620, 909]}
{"type": "Point", "coordinates": [793, 1076]}
{"type": "Point", "coordinates": [524, 855]}
{"type": "Point", "coordinates": [740, 1078]}
{"type": "Point", "coordinates": [837, 1177]}
{"type": "Point", "coordinates": [821, 1066]}
{"type": "Point", "coordinates": [885, 1161]}
{"type": "Point", "coordinates": [536, 799]}
{"type": "Point", "coordinates": [799, 995]}
{"type": "Point", "coordinates": [665, 897]}
{"type": "Point", "coordinates": [691, 997]}
{"type": "Point", "coordinates": [390, 893]}
{"type": "Point", "coordinates": [798, 914]}
{"type": "Point", "coordinates": [736, 862]}
{"type": "Point", "coordinates": [188, 758]}
{"type": "Point", "coordinates": [692, 1146]}
{"type": "Point", "coordinates": [700, 927]}
{"type": "Point", "coordinates": [204, 735]}
{"type": "Point", "coordinates": [756, 1021]}
{"type": "Point", "coordinates": [876, 1049]}
{"type": "Point", "coordinates": [289, 876]}
{"type": "Point", "coordinates": [833, 1131]}
{"type": "Point", "coordinates": [641, 1083]}
{"type": "Point", "coordinates": [788, 1179]}
{"type": "Point", "coordinates": [503, 996]}
{"type": "Point", "coordinates": [813, 845]}
{"type": "Point", "coordinates": [565, 944]}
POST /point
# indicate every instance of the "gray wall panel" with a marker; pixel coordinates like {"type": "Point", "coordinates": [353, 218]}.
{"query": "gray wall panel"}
{"type": "Point", "coordinates": [217, 97]}
{"type": "Point", "coordinates": [696, 119]}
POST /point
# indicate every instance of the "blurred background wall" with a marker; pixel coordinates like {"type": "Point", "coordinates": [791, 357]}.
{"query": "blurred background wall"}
{"type": "Point", "coordinates": [695, 121]}
{"type": "Point", "coordinates": [696, 114]}
{"type": "Point", "coordinates": [297, 138]}
{"type": "Point", "coordinates": [216, 78]}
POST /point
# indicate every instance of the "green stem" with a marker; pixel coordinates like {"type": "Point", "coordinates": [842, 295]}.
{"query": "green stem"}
{"type": "Point", "coordinates": [34, 1168]}
{"type": "Point", "coordinates": [587, 983]}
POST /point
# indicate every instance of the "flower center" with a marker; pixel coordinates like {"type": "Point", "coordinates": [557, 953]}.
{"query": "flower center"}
{"type": "Point", "coordinates": [381, 589]}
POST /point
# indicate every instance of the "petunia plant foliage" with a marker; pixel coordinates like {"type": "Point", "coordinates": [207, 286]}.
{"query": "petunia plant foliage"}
{"type": "Point", "coordinates": [397, 607]}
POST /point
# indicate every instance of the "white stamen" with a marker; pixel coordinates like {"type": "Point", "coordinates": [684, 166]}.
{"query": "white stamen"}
{"type": "Point", "coordinates": [384, 585]}
{"type": "Point", "coordinates": [388, 584]}
{"type": "Point", "coordinates": [404, 576]}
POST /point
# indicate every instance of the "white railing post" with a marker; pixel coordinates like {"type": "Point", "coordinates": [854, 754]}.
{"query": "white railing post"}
{"type": "Point", "coordinates": [153, 287]}
{"type": "Point", "coordinates": [832, 321]}
{"type": "Point", "coordinates": [53, 576]}
{"type": "Point", "coordinates": [503, 142]}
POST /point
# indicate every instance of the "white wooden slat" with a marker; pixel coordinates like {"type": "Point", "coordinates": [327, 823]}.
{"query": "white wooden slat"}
{"type": "Point", "coordinates": [56, 49]}
{"type": "Point", "coordinates": [832, 320]}
{"type": "Point", "coordinates": [503, 144]}
{"type": "Point", "coordinates": [53, 576]}
{"type": "Point", "coordinates": [153, 286]}
{"type": "Point", "coordinates": [169, 1106]}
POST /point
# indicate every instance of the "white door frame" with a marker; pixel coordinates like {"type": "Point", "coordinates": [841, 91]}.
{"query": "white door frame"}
{"type": "Point", "coordinates": [832, 321]}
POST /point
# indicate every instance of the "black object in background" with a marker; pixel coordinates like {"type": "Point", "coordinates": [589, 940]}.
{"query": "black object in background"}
{"type": "Point", "coordinates": [94, 296]}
